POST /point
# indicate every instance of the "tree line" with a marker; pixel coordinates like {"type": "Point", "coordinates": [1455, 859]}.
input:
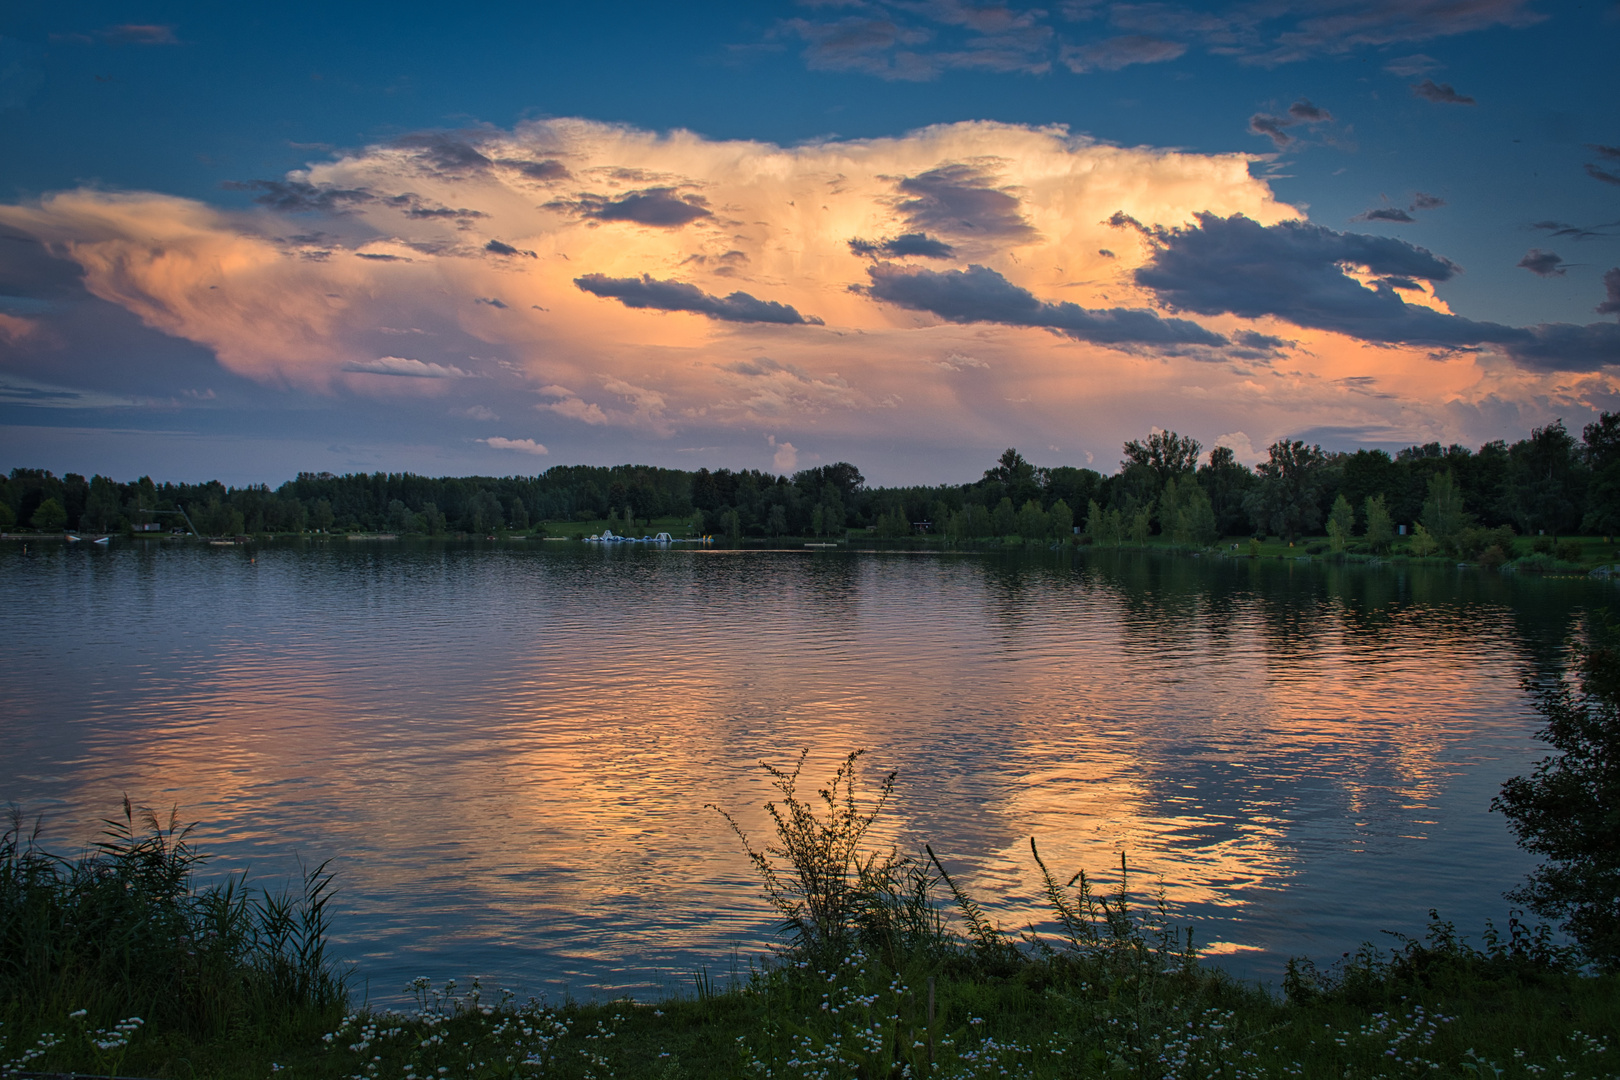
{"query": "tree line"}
{"type": "Point", "coordinates": [1451, 497]}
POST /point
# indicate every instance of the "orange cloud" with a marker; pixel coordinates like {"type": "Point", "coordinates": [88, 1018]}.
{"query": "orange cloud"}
{"type": "Point", "coordinates": [614, 276]}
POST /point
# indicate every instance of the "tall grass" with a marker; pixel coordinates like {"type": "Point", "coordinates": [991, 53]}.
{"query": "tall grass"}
{"type": "Point", "coordinates": [124, 930]}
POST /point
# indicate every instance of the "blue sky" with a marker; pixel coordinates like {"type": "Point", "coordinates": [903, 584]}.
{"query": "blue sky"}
{"type": "Point", "coordinates": [276, 335]}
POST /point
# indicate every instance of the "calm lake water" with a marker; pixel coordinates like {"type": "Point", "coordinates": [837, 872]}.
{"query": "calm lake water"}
{"type": "Point", "coordinates": [507, 749]}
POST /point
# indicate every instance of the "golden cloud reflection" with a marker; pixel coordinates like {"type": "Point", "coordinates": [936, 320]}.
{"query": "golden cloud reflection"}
{"type": "Point", "coordinates": [510, 755]}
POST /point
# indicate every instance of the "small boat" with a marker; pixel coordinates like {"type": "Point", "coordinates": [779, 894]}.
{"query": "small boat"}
{"type": "Point", "coordinates": [71, 538]}
{"type": "Point", "coordinates": [102, 540]}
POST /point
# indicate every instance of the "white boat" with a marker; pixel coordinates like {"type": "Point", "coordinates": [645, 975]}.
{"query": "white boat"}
{"type": "Point", "coordinates": [102, 540]}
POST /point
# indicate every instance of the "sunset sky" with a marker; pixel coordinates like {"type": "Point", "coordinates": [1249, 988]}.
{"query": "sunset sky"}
{"type": "Point", "coordinates": [240, 242]}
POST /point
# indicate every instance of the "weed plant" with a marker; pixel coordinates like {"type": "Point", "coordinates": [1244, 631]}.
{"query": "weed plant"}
{"type": "Point", "coordinates": [93, 950]}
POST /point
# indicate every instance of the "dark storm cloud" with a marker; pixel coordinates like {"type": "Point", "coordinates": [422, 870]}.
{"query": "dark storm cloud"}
{"type": "Point", "coordinates": [899, 247]}
{"type": "Point", "coordinates": [537, 170]}
{"type": "Point", "coordinates": [1295, 271]}
{"type": "Point", "coordinates": [1441, 93]}
{"type": "Point", "coordinates": [299, 197]}
{"type": "Point", "coordinates": [445, 153]}
{"type": "Point", "coordinates": [495, 247]}
{"type": "Point", "coordinates": [1115, 53]}
{"type": "Point", "coordinates": [658, 206]}
{"type": "Point", "coordinates": [979, 294]}
{"type": "Point", "coordinates": [1598, 174]}
{"type": "Point", "coordinates": [1542, 263]}
{"type": "Point", "coordinates": [648, 292]}
{"type": "Point", "coordinates": [960, 198]}
{"type": "Point", "coordinates": [1611, 284]}
{"type": "Point", "coordinates": [1386, 213]}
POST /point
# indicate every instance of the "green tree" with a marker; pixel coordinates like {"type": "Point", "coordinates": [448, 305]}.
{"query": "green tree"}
{"type": "Point", "coordinates": [1568, 809]}
{"type": "Point", "coordinates": [1226, 483]}
{"type": "Point", "coordinates": [1033, 523]}
{"type": "Point", "coordinates": [1287, 500]}
{"type": "Point", "coordinates": [7, 517]}
{"type": "Point", "coordinates": [321, 515]}
{"type": "Point", "coordinates": [1139, 523]}
{"type": "Point", "coordinates": [1543, 481]}
{"type": "Point", "coordinates": [731, 524]}
{"type": "Point", "coordinates": [817, 521]}
{"type": "Point", "coordinates": [1602, 454]}
{"type": "Point", "coordinates": [1062, 519]}
{"type": "Point", "coordinates": [1443, 513]}
{"type": "Point", "coordinates": [1004, 520]}
{"type": "Point", "coordinates": [1103, 526]}
{"type": "Point", "coordinates": [776, 520]}
{"type": "Point", "coordinates": [1341, 523]}
{"type": "Point", "coordinates": [1380, 528]}
{"type": "Point", "coordinates": [1423, 542]}
{"type": "Point", "coordinates": [1185, 513]}
{"type": "Point", "coordinates": [519, 513]}
{"type": "Point", "coordinates": [50, 516]}
{"type": "Point", "coordinates": [1169, 455]}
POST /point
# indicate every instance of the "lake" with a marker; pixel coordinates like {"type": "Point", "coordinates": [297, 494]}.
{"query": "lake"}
{"type": "Point", "coordinates": [506, 748]}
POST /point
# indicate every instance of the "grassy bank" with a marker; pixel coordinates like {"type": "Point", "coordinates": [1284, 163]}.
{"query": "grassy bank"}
{"type": "Point", "coordinates": [888, 969]}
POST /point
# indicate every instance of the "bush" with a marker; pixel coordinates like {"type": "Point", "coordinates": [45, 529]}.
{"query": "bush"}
{"type": "Point", "coordinates": [1569, 551]}
{"type": "Point", "coordinates": [1566, 809]}
{"type": "Point", "coordinates": [1542, 545]}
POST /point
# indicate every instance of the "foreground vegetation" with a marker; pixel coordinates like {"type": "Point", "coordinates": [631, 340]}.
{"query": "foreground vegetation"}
{"type": "Point", "coordinates": [118, 964]}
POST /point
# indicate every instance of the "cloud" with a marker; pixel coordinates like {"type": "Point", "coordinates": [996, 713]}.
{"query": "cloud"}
{"type": "Point", "coordinates": [1441, 93]}
{"type": "Point", "coordinates": [542, 171]}
{"type": "Point", "coordinates": [1598, 174]}
{"type": "Point", "coordinates": [647, 292]}
{"type": "Point", "coordinates": [962, 199]}
{"type": "Point", "coordinates": [446, 154]}
{"type": "Point", "coordinates": [661, 207]}
{"type": "Point", "coordinates": [1542, 263]}
{"type": "Point", "coordinates": [1271, 127]}
{"type": "Point", "coordinates": [413, 369]}
{"type": "Point", "coordinates": [959, 362]}
{"type": "Point", "coordinates": [1115, 53]}
{"type": "Point", "coordinates": [918, 244]}
{"type": "Point", "coordinates": [1296, 271]}
{"type": "Point", "coordinates": [864, 45]}
{"type": "Point", "coordinates": [1610, 152]}
{"type": "Point", "coordinates": [1416, 64]}
{"type": "Point", "coordinates": [522, 446]}
{"type": "Point", "coordinates": [492, 301]}
{"type": "Point", "coordinates": [1386, 213]}
{"type": "Point", "coordinates": [141, 34]}
{"type": "Point", "coordinates": [979, 294]}
{"type": "Point", "coordinates": [1611, 284]}
{"type": "Point", "coordinates": [1300, 112]}
{"type": "Point", "coordinates": [1424, 201]}
{"type": "Point", "coordinates": [301, 197]}
{"type": "Point", "coordinates": [496, 247]}
{"type": "Point", "coordinates": [786, 458]}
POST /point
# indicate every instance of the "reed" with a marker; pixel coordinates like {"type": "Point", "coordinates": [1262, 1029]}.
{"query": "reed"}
{"type": "Point", "coordinates": [124, 931]}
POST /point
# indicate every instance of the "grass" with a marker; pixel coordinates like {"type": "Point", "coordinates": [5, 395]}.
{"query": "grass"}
{"type": "Point", "coordinates": [889, 969]}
